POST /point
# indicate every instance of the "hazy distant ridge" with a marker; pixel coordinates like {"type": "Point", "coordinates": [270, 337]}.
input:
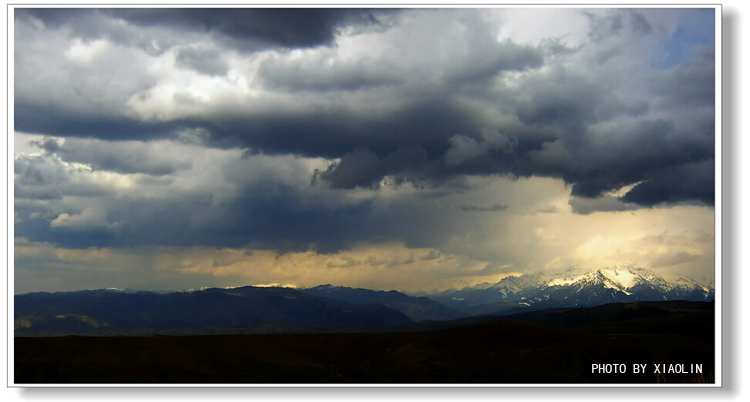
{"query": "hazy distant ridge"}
{"type": "Point", "coordinates": [416, 308]}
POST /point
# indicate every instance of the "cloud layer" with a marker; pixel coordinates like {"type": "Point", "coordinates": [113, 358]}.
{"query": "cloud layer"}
{"type": "Point", "coordinates": [296, 130]}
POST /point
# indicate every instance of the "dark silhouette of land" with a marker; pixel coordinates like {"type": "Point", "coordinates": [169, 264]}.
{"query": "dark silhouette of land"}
{"type": "Point", "coordinates": [553, 346]}
{"type": "Point", "coordinates": [212, 311]}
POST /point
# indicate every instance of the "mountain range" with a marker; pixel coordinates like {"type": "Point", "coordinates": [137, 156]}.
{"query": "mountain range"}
{"type": "Point", "coordinates": [536, 292]}
{"type": "Point", "coordinates": [329, 308]}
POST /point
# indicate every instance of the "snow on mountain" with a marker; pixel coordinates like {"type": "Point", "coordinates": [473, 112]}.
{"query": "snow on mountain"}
{"type": "Point", "coordinates": [622, 277]}
{"type": "Point", "coordinates": [482, 286]}
{"type": "Point", "coordinates": [606, 285]}
{"type": "Point", "coordinates": [517, 283]}
{"type": "Point", "coordinates": [687, 283]}
{"type": "Point", "coordinates": [625, 279]}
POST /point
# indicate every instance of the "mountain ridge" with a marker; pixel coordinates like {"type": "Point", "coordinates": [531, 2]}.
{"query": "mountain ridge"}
{"type": "Point", "coordinates": [214, 310]}
{"type": "Point", "coordinates": [249, 309]}
{"type": "Point", "coordinates": [417, 308]}
{"type": "Point", "coordinates": [604, 285]}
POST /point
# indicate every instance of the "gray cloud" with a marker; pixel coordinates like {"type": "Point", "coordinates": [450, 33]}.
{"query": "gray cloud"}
{"type": "Point", "coordinates": [204, 60]}
{"type": "Point", "coordinates": [316, 74]}
{"type": "Point", "coordinates": [466, 150]}
{"type": "Point", "coordinates": [456, 140]}
{"type": "Point", "coordinates": [605, 203]}
{"type": "Point", "coordinates": [245, 28]}
{"type": "Point", "coordinates": [474, 208]}
{"type": "Point", "coordinates": [689, 182]}
{"type": "Point", "coordinates": [130, 157]}
{"type": "Point", "coordinates": [639, 23]}
{"type": "Point", "coordinates": [363, 168]}
{"type": "Point", "coordinates": [547, 209]}
{"type": "Point", "coordinates": [419, 96]}
{"type": "Point", "coordinates": [603, 27]}
{"type": "Point", "coordinates": [688, 85]}
{"type": "Point", "coordinates": [221, 200]}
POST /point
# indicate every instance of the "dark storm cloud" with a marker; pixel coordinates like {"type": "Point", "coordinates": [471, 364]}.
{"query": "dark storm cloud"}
{"type": "Point", "coordinates": [40, 230]}
{"type": "Point", "coordinates": [279, 222]}
{"type": "Point", "coordinates": [689, 182]}
{"type": "Point", "coordinates": [47, 177]}
{"type": "Point", "coordinates": [38, 170]}
{"type": "Point", "coordinates": [244, 28]}
{"type": "Point", "coordinates": [563, 135]}
{"type": "Point", "coordinates": [607, 203]}
{"type": "Point", "coordinates": [266, 216]}
{"type": "Point", "coordinates": [608, 160]}
{"type": "Point", "coordinates": [247, 29]}
{"type": "Point", "coordinates": [48, 144]}
{"type": "Point", "coordinates": [580, 122]}
{"type": "Point", "coordinates": [53, 17]}
{"type": "Point", "coordinates": [55, 120]}
{"type": "Point", "coordinates": [592, 159]}
{"type": "Point", "coordinates": [560, 98]}
{"type": "Point", "coordinates": [332, 133]}
{"type": "Point", "coordinates": [425, 121]}
{"type": "Point", "coordinates": [36, 192]}
{"type": "Point", "coordinates": [690, 84]}
{"type": "Point", "coordinates": [363, 168]}
{"type": "Point", "coordinates": [260, 201]}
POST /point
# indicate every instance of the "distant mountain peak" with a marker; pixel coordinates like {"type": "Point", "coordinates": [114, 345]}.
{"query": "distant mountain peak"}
{"type": "Point", "coordinates": [622, 283]}
{"type": "Point", "coordinates": [515, 283]}
{"type": "Point", "coordinates": [622, 278]}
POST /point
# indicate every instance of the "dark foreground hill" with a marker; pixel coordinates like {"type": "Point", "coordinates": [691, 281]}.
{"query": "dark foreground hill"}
{"type": "Point", "coordinates": [238, 310]}
{"type": "Point", "coordinates": [678, 338]}
{"type": "Point", "coordinates": [673, 316]}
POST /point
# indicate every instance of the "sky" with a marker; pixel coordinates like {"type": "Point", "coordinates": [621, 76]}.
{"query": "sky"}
{"type": "Point", "coordinates": [408, 149]}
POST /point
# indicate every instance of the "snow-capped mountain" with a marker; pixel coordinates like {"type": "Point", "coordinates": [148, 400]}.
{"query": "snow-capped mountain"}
{"type": "Point", "coordinates": [514, 284]}
{"type": "Point", "coordinates": [606, 285]}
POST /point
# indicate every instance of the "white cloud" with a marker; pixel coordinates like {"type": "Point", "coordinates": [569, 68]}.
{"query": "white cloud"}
{"type": "Point", "coordinates": [92, 218]}
{"type": "Point", "coordinates": [86, 53]}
